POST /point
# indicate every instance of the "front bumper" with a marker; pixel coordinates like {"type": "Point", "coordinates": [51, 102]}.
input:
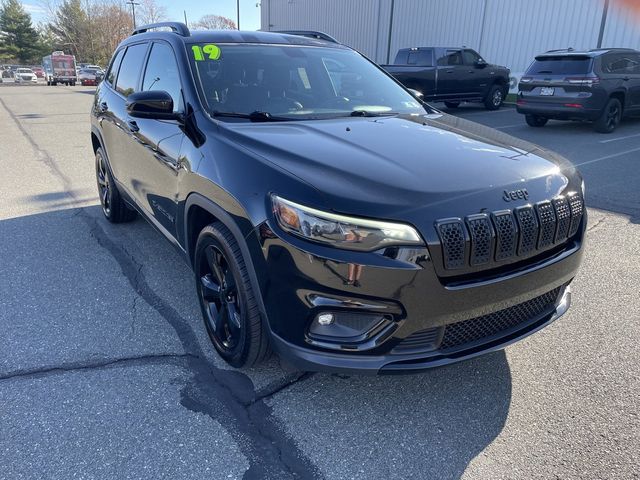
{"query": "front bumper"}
{"type": "Point", "coordinates": [302, 280]}
{"type": "Point", "coordinates": [307, 359]}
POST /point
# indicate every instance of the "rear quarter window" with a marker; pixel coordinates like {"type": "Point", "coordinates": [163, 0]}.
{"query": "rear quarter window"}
{"type": "Point", "coordinates": [113, 69]}
{"type": "Point", "coordinates": [560, 65]}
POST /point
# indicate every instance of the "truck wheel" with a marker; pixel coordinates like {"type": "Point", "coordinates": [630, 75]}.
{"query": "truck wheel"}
{"type": "Point", "coordinates": [610, 117]}
{"type": "Point", "coordinates": [495, 97]}
{"type": "Point", "coordinates": [452, 104]}
{"type": "Point", "coordinates": [113, 206]}
{"type": "Point", "coordinates": [536, 120]}
{"type": "Point", "coordinates": [227, 300]}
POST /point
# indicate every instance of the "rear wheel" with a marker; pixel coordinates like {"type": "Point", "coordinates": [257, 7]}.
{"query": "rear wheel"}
{"type": "Point", "coordinates": [536, 120]}
{"type": "Point", "coordinates": [227, 299]}
{"type": "Point", "coordinates": [113, 206]}
{"type": "Point", "coordinates": [610, 117]}
{"type": "Point", "coordinates": [452, 104]}
{"type": "Point", "coordinates": [495, 97]}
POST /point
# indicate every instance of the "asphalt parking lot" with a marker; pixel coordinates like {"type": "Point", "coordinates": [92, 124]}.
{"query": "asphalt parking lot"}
{"type": "Point", "coordinates": [106, 370]}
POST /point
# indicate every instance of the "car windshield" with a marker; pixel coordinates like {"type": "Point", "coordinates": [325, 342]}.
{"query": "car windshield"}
{"type": "Point", "coordinates": [24, 70]}
{"type": "Point", "coordinates": [295, 82]}
{"type": "Point", "coordinates": [560, 65]}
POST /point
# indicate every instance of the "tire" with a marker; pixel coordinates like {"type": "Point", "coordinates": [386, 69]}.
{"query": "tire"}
{"type": "Point", "coordinates": [114, 207]}
{"type": "Point", "coordinates": [610, 117]}
{"type": "Point", "coordinates": [536, 120]}
{"type": "Point", "coordinates": [48, 83]}
{"type": "Point", "coordinates": [452, 104]}
{"type": "Point", "coordinates": [227, 300]}
{"type": "Point", "coordinates": [495, 98]}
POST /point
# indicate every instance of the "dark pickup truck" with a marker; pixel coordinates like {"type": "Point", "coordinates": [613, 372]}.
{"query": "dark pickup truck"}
{"type": "Point", "coordinates": [451, 75]}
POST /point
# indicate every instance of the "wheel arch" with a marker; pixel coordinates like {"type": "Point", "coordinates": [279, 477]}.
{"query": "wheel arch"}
{"type": "Point", "coordinates": [621, 96]}
{"type": "Point", "coordinates": [199, 212]}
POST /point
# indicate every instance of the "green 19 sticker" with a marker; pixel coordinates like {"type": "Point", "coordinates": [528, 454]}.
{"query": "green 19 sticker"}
{"type": "Point", "coordinates": [206, 52]}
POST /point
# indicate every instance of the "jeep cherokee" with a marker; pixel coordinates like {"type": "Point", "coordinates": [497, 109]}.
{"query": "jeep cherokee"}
{"type": "Point", "coordinates": [327, 213]}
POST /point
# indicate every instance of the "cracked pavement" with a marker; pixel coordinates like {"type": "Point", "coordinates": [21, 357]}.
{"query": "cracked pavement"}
{"type": "Point", "coordinates": [107, 372]}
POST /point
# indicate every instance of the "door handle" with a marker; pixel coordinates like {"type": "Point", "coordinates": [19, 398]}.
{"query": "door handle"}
{"type": "Point", "coordinates": [449, 71]}
{"type": "Point", "coordinates": [103, 107]}
{"type": "Point", "coordinates": [133, 126]}
{"type": "Point", "coordinates": [626, 79]}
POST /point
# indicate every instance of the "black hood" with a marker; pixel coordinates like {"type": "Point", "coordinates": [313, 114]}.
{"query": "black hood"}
{"type": "Point", "coordinates": [403, 164]}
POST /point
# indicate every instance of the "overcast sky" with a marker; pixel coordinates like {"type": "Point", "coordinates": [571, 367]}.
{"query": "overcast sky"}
{"type": "Point", "coordinates": [249, 13]}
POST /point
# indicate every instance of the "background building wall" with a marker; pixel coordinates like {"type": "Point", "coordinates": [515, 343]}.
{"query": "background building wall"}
{"type": "Point", "coordinates": [505, 32]}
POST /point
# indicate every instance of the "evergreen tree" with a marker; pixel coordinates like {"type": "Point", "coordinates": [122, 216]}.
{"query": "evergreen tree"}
{"type": "Point", "coordinates": [18, 39]}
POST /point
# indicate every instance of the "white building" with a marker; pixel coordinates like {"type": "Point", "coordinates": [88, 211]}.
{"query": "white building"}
{"type": "Point", "coordinates": [504, 32]}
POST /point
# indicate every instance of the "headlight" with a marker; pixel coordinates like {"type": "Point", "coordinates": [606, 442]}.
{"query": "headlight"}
{"type": "Point", "coordinates": [341, 231]}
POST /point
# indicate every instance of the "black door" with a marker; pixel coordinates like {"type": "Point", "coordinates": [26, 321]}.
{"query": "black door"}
{"type": "Point", "coordinates": [476, 82]}
{"type": "Point", "coordinates": [633, 70]}
{"type": "Point", "coordinates": [451, 75]}
{"type": "Point", "coordinates": [156, 144]}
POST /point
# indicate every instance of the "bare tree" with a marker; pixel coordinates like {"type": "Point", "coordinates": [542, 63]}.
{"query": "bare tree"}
{"type": "Point", "coordinates": [151, 12]}
{"type": "Point", "coordinates": [214, 22]}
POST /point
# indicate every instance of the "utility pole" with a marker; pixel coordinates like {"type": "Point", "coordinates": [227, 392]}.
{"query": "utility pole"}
{"type": "Point", "coordinates": [133, 10]}
{"type": "Point", "coordinates": [238, 12]}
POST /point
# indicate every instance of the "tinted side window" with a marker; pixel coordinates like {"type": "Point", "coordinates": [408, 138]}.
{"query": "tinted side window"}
{"type": "Point", "coordinates": [162, 73]}
{"type": "Point", "coordinates": [620, 63]}
{"type": "Point", "coordinates": [470, 57]}
{"type": "Point", "coordinates": [115, 64]}
{"type": "Point", "coordinates": [127, 82]}
{"type": "Point", "coordinates": [451, 58]}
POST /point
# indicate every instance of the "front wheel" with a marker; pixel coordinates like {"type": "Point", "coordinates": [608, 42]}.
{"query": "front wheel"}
{"type": "Point", "coordinates": [495, 97]}
{"type": "Point", "coordinates": [536, 120]}
{"type": "Point", "coordinates": [610, 117]}
{"type": "Point", "coordinates": [227, 300]}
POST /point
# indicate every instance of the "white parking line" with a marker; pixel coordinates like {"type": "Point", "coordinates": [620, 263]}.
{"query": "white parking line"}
{"type": "Point", "coordinates": [607, 157]}
{"type": "Point", "coordinates": [510, 126]}
{"type": "Point", "coordinates": [620, 138]}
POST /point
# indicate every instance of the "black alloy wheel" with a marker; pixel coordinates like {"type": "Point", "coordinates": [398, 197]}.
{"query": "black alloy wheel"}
{"type": "Point", "coordinates": [222, 304]}
{"type": "Point", "coordinates": [610, 117]}
{"type": "Point", "coordinates": [114, 207]}
{"type": "Point", "coordinates": [104, 186]}
{"type": "Point", "coordinates": [227, 300]}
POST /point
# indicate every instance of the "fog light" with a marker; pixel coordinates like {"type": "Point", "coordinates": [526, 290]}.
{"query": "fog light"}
{"type": "Point", "coordinates": [325, 318]}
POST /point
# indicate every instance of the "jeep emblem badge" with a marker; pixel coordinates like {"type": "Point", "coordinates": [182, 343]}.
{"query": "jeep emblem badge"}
{"type": "Point", "coordinates": [520, 194]}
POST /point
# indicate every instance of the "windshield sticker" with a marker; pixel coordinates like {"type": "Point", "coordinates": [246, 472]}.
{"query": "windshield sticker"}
{"type": "Point", "coordinates": [205, 52]}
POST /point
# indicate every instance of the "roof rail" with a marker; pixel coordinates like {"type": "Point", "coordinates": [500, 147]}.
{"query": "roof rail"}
{"type": "Point", "coordinates": [309, 34]}
{"type": "Point", "coordinates": [570, 49]}
{"type": "Point", "coordinates": [617, 49]}
{"type": "Point", "coordinates": [176, 27]}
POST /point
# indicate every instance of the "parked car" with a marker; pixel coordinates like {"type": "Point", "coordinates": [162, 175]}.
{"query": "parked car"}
{"type": "Point", "coordinates": [90, 76]}
{"type": "Point", "coordinates": [39, 71]}
{"type": "Point", "coordinates": [25, 75]}
{"type": "Point", "coordinates": [601, 86]}
{"type": "Point", "coordinates": [327, 213]}
{"type": "Point", "coordinates": [451, 75]}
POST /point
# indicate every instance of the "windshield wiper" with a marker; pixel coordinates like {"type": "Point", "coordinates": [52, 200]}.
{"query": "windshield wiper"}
{"type": "Point", "coordinates": [368, 113]}
{"type": "Point", "coordinates": [256, 116]}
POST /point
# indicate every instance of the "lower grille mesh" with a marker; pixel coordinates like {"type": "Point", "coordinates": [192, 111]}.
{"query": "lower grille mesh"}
{"type": "Point", "coordinates": [488, 325]}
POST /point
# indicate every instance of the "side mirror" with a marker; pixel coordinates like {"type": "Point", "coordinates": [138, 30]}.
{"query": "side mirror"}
{"type": "Point", "coordinates": [154, 104]}
{"type": "Point", "coordinates": [416, 94]}
{"type": "Point", "coordinates": [481, 63]}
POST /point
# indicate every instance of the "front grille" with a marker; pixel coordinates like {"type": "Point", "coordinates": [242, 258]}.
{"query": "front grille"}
{"type": "Point", "coordinates": [506, 235]}
{"type": "Point", "coordinates": [478, 328]}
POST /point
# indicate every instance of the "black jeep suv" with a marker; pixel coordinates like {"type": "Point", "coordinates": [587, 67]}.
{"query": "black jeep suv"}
{"type": "Point", "coordinates": [600, 85]}
{"type": "Point", "coordinates": [327, 214]}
